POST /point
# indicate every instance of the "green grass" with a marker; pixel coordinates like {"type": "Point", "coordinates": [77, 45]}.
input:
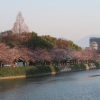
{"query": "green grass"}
{"type": "Point", "coordinates": [29, 70]}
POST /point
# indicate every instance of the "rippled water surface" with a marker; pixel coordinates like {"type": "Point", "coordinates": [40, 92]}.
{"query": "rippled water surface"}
{"type": "Point", "coordinates": [83, 85]}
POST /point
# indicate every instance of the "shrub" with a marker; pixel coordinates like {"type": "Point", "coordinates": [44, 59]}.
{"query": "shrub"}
{"type": "Point", "coordinates": [79, 67]}
{"type": "Point", "coordinates": [97, 64]}
{"type": "Point", "coordinates": [76, 66]}
{"type": "Point", "coordinates": [83, 66]}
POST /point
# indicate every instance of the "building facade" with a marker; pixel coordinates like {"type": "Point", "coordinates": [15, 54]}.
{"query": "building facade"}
{"type": "Point", "coordinates": [94, 45]}
{"type": "Point", "coordinates": [94, 41]}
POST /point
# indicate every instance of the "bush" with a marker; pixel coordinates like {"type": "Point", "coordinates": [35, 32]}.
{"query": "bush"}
{"type": "Point", "coordinates": [76, 67]}
{"type": "Point", "coordinates": [79, 67]}
{"type": "Point", "coordinates": [97, 64]}
{"type": "Point", "coordinates": [83, 66]}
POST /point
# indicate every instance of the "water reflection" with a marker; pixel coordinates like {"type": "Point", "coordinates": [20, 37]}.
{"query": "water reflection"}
{"type": "Point", "coordinates": [10, 84]}
{"type": "Point", "coordinates": [65, 86]}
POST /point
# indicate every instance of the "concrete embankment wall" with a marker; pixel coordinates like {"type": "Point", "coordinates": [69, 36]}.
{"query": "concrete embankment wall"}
{"type": "Point", "coordinates": [76, 67]}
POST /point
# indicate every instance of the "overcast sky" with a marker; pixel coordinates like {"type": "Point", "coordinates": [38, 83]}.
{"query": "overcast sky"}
{"type": "Point", "coordinates": [70, 19]}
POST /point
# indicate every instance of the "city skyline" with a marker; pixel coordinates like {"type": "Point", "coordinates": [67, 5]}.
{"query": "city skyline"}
{"type": "Point", "coordinates": [66, 19]}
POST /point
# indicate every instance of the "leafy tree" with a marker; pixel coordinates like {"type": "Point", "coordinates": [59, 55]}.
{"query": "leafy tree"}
{"type": "Point", "coordinates": [74, 46]}
{"type": "Point", "coordinates": [39, 43]}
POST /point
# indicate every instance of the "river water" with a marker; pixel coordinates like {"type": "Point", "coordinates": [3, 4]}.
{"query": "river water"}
{"type": "Point", "coordinates": [82, 85]}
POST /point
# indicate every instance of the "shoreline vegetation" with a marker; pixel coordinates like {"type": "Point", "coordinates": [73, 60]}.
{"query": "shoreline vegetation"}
{"type": "Point", "coordinates": [32, 49]}
{"type": "Point", "coordinates": [26, 72]}
{"type": "Point", "coordinates": [42, 55]}
{"type": "Point", "coordinates": [35, 71]}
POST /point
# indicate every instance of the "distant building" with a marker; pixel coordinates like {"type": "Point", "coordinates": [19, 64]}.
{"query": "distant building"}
{"type": "Point", "coordinates": [94, 45]}
{"type": "Point", "coordinates": [96, 42]}
{"type": "Point", "coordinates": [88, 48]}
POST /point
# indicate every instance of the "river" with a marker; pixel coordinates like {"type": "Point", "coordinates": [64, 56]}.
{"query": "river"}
{"type": "Point", "coordinates": [81, 85]}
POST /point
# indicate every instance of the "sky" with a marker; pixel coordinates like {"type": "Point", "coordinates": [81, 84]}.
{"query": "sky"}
{"type": "Point", "coordinates": [68, 19]}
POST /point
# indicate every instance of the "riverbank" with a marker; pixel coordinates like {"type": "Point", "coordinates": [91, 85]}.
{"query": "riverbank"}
{"type": "Point", "coordinates": [26, 72]}
{"type": "Point", "coordinates": [24, 76]}
{"type": "Point", "coordinates": [28, 76]}
{"type": "Point", "coordinates": [64, 86]}
{"type": "Point", "coordinates": [35, 71]}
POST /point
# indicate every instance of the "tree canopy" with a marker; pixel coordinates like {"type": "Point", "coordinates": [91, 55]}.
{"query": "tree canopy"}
{"type": "Point", "coordinates": [32, 40]}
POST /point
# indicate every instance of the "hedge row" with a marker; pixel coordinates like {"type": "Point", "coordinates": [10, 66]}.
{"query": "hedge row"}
{"type": "Point", "coordinates": [29, 70]}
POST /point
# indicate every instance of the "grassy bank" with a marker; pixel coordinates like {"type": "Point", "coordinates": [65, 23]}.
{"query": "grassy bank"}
{"type": "Point", "coordinates": [29, 70]}
{"type": "Point", "coordinates": [38, 70]}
